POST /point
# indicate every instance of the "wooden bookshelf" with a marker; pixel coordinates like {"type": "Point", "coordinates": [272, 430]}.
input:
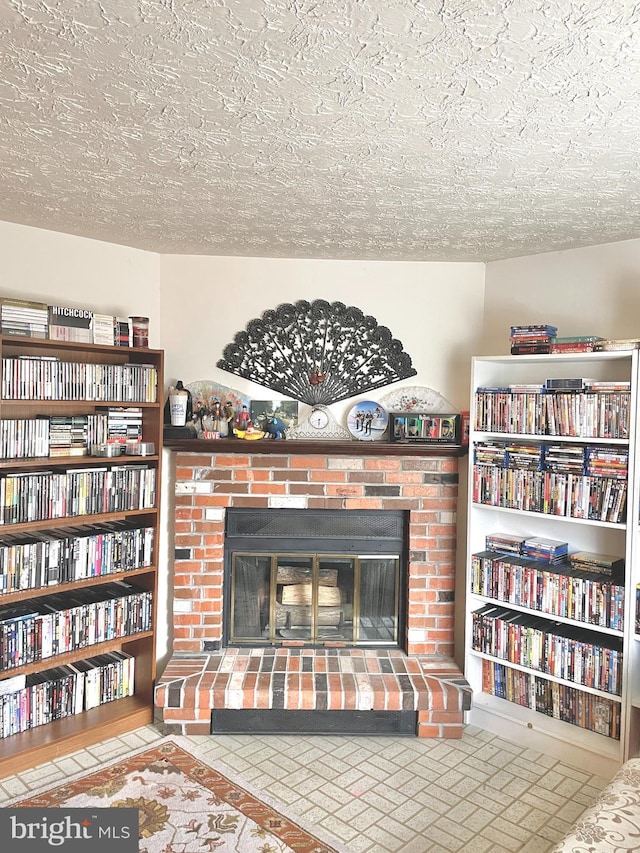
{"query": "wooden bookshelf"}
{"type": "Point", "coordinates": [50, 740]}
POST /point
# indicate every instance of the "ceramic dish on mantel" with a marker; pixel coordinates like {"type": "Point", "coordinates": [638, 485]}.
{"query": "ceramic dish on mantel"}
{"type": "Point", "coordinates": [367, 421]}
{"type": "Point", "coordinates": [416, 398]}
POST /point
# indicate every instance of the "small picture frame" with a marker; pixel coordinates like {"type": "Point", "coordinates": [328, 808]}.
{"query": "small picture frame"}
{"type": "Point", "coordinates": [425, 428]}
{"type": "Point", "coordinates": [262, 410]}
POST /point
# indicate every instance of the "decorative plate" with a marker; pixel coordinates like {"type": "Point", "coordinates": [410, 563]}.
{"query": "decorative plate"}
{"type": "Point", "coordinates": [367, 421]}
{"type": "Point", "coordinates": [416, 399]}
{"type": "Point", "coordinates": [205, 393]}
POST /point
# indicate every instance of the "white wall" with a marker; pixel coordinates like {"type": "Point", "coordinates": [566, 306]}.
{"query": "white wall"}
{"type": "Point", "coordinates": [77, 272]}
{"type": "Point", "coordinates": [590, 291]}
{"type": "Point", "coordinates": [435, 309]}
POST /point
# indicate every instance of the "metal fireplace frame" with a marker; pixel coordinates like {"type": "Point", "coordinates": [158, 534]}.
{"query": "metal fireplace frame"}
{"type": "Point", "coordinates": [329, 533]}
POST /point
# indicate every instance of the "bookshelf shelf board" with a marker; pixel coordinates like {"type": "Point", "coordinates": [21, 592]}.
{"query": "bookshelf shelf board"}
{"type": "Point", "coordinates": [74, 521]}
{"type": "Point", "coordinates": [65, 405]}
{"type": "Point", "coordinates": [39, 591]}
{"type": "Point", "coordinates": [561, 358]}
{"type": "Point", "coordinates": [44, 743]}
{"type": "Point", "coordinates": [45, 462]}
{"type": "Point", "coordinates": [481, 599]}
{"type": "Point", "coordinates": [547, 677]}
{"type": "Point", "coordinates": [581, 739]}
{"type": "Point", "coordinates": [77, 654]}
{"type": "Point", "coordinates": [530, 438]}
{"type": "Point", "coordinates": [553, 518]}
{"type": "Point", "coordinates": [19, 342]}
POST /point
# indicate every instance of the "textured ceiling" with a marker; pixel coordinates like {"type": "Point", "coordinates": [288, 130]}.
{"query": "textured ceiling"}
{"type": "Point", "coordinates": [382, 129]}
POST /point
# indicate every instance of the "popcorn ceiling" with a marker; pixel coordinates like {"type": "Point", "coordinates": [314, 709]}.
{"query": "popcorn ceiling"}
{"type": "Point", "coordinates": [368, 129]}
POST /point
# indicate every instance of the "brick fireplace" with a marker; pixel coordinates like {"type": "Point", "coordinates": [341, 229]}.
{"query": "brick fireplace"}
{"type": "Point", "coordinates": [204, 676]}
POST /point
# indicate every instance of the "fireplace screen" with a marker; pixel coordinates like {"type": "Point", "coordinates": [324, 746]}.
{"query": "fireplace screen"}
{"type": "Point", "coordinates": [315, 598]}
{"type": "Point", "coordinates": [314, 576]}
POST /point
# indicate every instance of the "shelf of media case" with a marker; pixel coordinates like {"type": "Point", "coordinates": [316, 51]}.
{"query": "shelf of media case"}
{"type": "Point", "coordinates": [37, 591]}
{"type": "Point", "coordinates": [145, 368]}
{"type": "Point", "coordinates": [75, 655]}
{"type": "Point", "coordinates": [613, 525]}
{"type": "Point", "coordinates": [60, 737]}
{"type": "Point", "coordinates": [600, 629]}
{"type": "Point", "coordinates": [46, 462]}
{"type": "Point", "coordinates": [507, 719]}
{"type": "Point", "coordinates": [614, 697]}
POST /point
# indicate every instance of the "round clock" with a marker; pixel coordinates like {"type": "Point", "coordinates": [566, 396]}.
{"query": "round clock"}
{"type": "Point", "coordinates": [318, 418]}
{"type": "Point", "coordinates": [319, 425]}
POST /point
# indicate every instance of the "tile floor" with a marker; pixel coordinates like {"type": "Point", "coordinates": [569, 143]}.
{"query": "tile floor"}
{"type": "Point", "coordinates": [385, 794]}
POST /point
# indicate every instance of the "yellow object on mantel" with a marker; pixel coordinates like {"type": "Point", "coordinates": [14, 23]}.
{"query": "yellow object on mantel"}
{"type": "Point", "coordinates": [248, 434]}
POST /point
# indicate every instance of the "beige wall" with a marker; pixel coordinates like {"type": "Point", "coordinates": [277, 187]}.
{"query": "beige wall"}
{"type": "Point", "coordinates": [74, 271]}
{"type": "Point", "coordinates": [591, 291]}
{"type": "Point", "coordinates": [435, 309]}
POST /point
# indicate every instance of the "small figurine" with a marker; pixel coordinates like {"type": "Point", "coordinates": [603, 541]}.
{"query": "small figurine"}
{"type": "Point", "coordinates": [275, 428]}
{"type": "Point", "coordinates": [228, 416]}
{"type": "Point", "coordinates": [243, 418]}
{"type": "Point", "coordinates": [216, 415]}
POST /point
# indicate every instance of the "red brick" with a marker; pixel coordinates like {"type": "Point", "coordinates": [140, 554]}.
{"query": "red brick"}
{"type": "Point", "coordinates": [363, 503]}
{"type": "Point", "coordinates": [233, 461]}
{"type": "Point", "coordinates": [351, 491]}
{"type": "Point", "coordinates": [268, 489]}
{"type": "Point", "coordinates": [251, 474]}
{"type": "Point", "coordinates": [386, 464]}
{"type": "Point", "coordinates": [309, 462]}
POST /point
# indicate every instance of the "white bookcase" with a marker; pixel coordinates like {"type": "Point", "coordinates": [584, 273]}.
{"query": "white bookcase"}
{"type": "Point", "coordinates": [544, 731]}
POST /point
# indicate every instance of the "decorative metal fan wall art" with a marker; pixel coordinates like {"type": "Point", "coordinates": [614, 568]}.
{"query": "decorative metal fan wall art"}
{"type": "Point", "coordinates": [317, 352]}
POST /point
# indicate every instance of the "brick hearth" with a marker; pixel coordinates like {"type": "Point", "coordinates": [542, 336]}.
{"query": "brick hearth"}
{"type": "Point", "coordinates": [201, 675]}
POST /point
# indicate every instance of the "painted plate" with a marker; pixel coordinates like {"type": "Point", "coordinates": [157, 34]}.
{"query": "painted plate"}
{"type": "Point", "coordinates": [416, 398]}
{"type": "Point", "coordinates": [367, 421]}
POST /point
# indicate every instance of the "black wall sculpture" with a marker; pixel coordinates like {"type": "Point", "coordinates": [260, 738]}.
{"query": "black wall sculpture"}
{"type": "Point", "coordinates": [317, 352]}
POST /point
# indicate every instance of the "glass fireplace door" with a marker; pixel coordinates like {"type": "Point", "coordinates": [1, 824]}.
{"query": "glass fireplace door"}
{"type": "Point", "coordinates": [314, 598]}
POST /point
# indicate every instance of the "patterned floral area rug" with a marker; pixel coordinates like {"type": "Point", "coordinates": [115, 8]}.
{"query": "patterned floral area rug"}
{"type": "Point", "coordinates": [185, 806]}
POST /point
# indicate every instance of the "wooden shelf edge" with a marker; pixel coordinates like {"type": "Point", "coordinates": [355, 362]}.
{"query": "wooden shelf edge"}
{"type": "Point", "coordinates": [43, 591]}
{"type": "Point", "coordinates": [294, 447]}
{"type": "Point", "coordinates": [44, 743]}
{"type": "Point", "coordinates": [24, 341]}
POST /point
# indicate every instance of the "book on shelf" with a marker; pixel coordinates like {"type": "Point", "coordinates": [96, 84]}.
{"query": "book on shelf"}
{"type": "Point", "coordinates": [70, 324]}
{"type": "Point", "coordinates": [601, 386]}
{"type": "Point", "coordinates": [104, 329]}
{"type": "Point", "coordinates": [613, 345]}
{"type": "Point", "coordinates": [545, 549]}
{"type": "Point", "coordinates": [23, 317]}
{"type": "Point", "coordinates": [577, 339]}
{"type": "Point", "coordinates": [576, 346]}
{"type": "Point", "coordinates": [540, 348]}
{"type": "Point", "coordinates": [533, 330]}
{"type": "Point", "coordinates": [122, 332]}
{"type": "Point", "coordinates": [504, 542]}
{"type": "Point", "coordinates": [567, 383]}
{"type": "Point", "coordinates": [605, 564]}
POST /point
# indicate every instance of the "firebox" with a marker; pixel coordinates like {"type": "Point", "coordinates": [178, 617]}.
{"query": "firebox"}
{"type": "Point", "coordinates": [315, 577]}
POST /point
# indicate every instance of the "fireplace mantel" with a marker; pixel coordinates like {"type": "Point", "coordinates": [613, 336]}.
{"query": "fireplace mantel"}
{"type": "Point", "coordinates": [295, 447]}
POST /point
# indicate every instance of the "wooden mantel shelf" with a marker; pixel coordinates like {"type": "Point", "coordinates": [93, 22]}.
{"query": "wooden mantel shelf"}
{"type": "Point", "coordinates": [294, 447]}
